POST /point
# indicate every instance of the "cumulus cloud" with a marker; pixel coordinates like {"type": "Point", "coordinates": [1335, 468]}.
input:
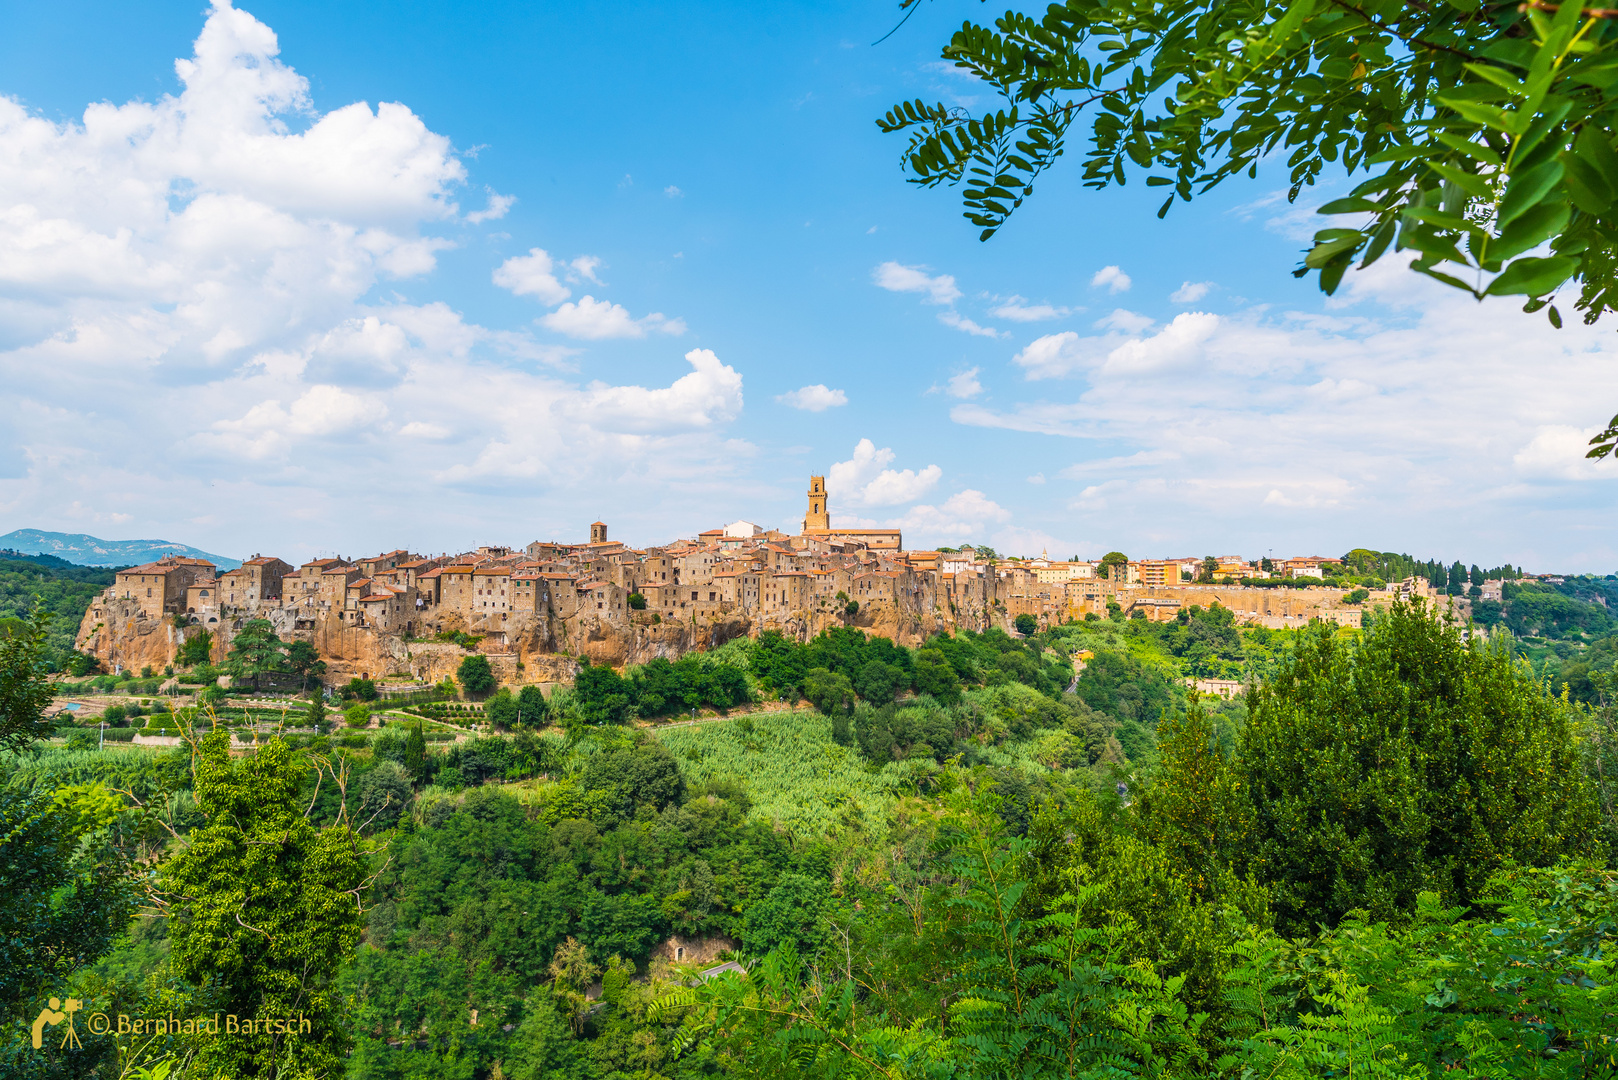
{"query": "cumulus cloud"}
{"type": "Point", "coordinates": [533, 274]}
{"type": "Point", "coordinates": [673, 192]}
{"type": "Point", "coordinates": [865, 480]}
{"type": "Point", "coordinates": [939, 289]}
{"type": "Point", "coordinates": [1191, 292]}
{"type": "Point", "coordinates": [594, 320]}
{"type": "Point", "coordinates": [816, 398]}
{"type": "Point", "coordinates": [213, 258]}
{"type": "Point", "coordinates": [1112, 279]}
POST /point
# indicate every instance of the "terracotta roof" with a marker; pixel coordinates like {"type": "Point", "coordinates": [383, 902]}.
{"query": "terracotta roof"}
{"type": "Point", "coordinates": [433, 573]}
{"type": "Point", "coordinates": [262, 560]}
{"type": "Point", "coordinates": [148, 568]}
{"type": "Point", "coordinates": [345, 568]}
{"type": "Point", "coordinates": [492, 571]}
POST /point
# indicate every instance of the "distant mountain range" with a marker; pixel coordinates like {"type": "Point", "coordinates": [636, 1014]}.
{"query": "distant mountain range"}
{"type": "Point", "coordinates": [94, 551]}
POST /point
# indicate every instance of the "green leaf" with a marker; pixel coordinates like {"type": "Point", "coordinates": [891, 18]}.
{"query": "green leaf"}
{"type": "Point", "coordinates": [1532, 276]}
{"type": "Point", "coordinates": [1504, 79]}
{"type": "Point", "coordinates": [1527, 189]}
{"type": "Point", "coordinates": [1587, 187]}
{"type": "Point", "coordinates": [1471, 183]}
{"type": "Point", "coordinates": [1491, 116]}
{"type": "Point", "coordinates": [1323, 253]}
{"type": "Point", "coordinates": [1474, 150]}
{"type": "Point", "coordinates": [1530, 230]}
{"type": "Point", "coordinates": [1349, 206]}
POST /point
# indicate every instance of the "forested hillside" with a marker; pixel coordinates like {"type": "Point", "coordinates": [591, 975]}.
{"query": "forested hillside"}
{"type": "Point", "coordinates": [990, 856]}
{"type": "Point", "coordinates": [63, 589]}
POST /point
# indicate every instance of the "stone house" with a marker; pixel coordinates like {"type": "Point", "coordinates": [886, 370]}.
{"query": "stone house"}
{"type": "Point", "coordinates": [160, 587]}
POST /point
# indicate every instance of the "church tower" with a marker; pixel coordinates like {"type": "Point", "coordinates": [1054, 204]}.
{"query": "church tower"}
{"type": "Point", "coordinates": [598, 532]}
{"type": "Point", "coordinates": [819, 517]}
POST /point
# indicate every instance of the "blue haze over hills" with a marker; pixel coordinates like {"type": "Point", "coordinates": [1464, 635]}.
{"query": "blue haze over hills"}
{"type": "Point", "coordinates": [94, 551]}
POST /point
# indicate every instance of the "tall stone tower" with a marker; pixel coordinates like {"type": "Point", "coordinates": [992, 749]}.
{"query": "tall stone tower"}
{"type": "Point", "coordinates": [598, 532]}
{"type": "Point", "coordinates": [819, 517]}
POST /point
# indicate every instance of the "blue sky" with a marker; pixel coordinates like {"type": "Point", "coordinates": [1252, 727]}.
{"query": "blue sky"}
{"type": "Point", "coordinates": [241, 310]}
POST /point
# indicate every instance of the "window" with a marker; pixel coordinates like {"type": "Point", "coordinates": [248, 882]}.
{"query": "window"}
{"type": "Point", "coordinates": [679, 953]}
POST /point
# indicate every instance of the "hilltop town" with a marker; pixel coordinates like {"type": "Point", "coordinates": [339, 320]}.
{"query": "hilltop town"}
{"type": "Point", "coordinates": [537, 608]}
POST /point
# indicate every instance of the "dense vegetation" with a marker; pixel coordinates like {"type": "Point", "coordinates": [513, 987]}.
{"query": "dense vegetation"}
{"type": "Point", "coordinates": [986, 856]}
{"type": "Point", "coordinates": [61, 588]}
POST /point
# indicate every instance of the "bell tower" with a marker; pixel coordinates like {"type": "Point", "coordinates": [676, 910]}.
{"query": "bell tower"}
{"type": "Point", "coordinates": [598, 532]}
{"type": "Point", "coordinates": [819, 517]}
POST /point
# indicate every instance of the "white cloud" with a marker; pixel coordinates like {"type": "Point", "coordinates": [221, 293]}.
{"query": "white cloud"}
{"type": "Point", "coordinates": [951, 318]}
{"type": "Point", "coordinates": [1414, 415]}
{"type": "Point", "coordinates": [1191, 292]}
{"type": "Point", "coordinates": [865, 480]}
{"type": "Point", "coordinates": [1171, 348]}
{"type": "Point", "coordinates": [963, 516]}
{"type": "Point", "coordinates": [1112, 279]}
{"type": "Point", "coordinates": [896, 278]}
{"type": "Point", "coordinates": [1054, 355]}
{"type": "Point", "coordinates": [585, 267]}
{"type": "Point", "coordinates": [533, 274]}
{"type": "Point", "coordinates": [1019, 310]}
{"type": "Point", "coordinates": [673, 192]}
{"type": "Point", "coordinates": [424, 429]}
{"type": "Point", "coordinates": [213, 258]}
{"type": "Point", "coordinates": [498, 205]}
{"type": "Point", "coordinates": [1037, 478]}
{"type": "Point", "coordinates": [964, 385]}
{"type": "Point", "coordinates": [594, 320]}
{"type": "Point", "coordinates": [1125, 320]}
{"type": "Point", "coordinates": [1556, 452]}
{"type": "Point", "coordinates": [816, 398]}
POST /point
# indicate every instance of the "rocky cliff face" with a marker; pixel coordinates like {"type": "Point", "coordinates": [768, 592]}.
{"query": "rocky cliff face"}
{"type": "Point", "coordinates": [120, 637]}
{"type": "Point", "coordinates": [534, 649]}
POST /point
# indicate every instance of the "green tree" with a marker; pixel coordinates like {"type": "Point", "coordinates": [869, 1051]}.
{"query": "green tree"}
{"type": "Point", "coordinates": [1487, 132]}
{"type": "Point", "coordinates": [1411, 761]}
{"type": "Point", "coordinates": [1457, 579]}
{"type": "Point", "coordinates": [637, 602]}
{"type": "Point", "coordinates": [317, 712]}
{"type": "Point", "coordinates": [532, 708]}
{"type": "Point", "coordinates": [1206, 572]}
{"type": "Point", "coordinates": [305, 662]}
{"type": "Point", "coordinates": [255, 650]}
{"type": "Point", "coordinates": [363, 689]}
{"type": "Point", "coordinates": [264, 908]}
{"type": "Point", "coordinates": [475, 675]}
{"type": "Point", "coordinates": [878, 682]}
{"type": "Point", "coordinates": [357, 715]}
{"type": "Point", "coordinates": [601, 695]}
{"type": "Point", "coordinates": [791, 913]}
{"type": "Point", "coordinates": [25, 691]}
{"type": "Point", "coordinates": [1114, 565]}
{"type": "Point", "coordinates": [197, 649]}
{"type": "Point", "coordinates": [1026, 624]}
{"type": "Point", "coordinates": [501, 711]}
{"type": "Point", "coordinates": [936, 676]}
{"type": "Point", "coordinates": [415, 753]}
{"type": "Point", "coordinates": [829, 691]}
